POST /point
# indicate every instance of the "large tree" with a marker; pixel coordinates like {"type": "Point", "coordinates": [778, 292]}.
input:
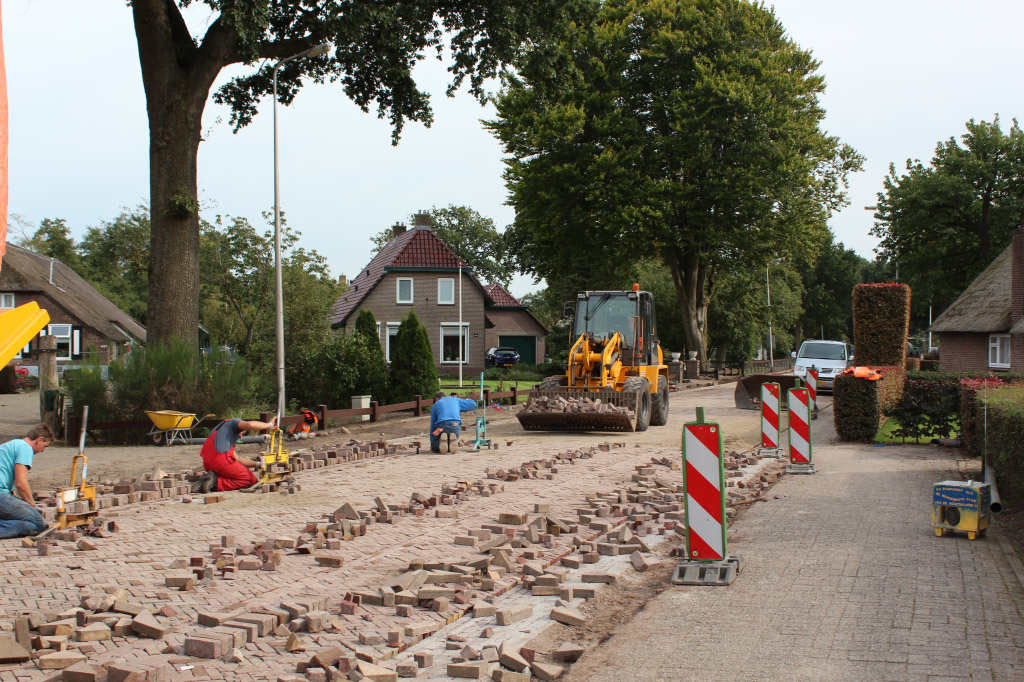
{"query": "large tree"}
{"type": "Point", "coordinates": [472, 236]}
{"type": "Point", "coordinates": [689, 130]}
{"type": "Point", "coordinates": [374, 46]}
{"type": "Point", "coordinates": [942, 224]}
{"type": "Point", "coordinates": [828, 281]}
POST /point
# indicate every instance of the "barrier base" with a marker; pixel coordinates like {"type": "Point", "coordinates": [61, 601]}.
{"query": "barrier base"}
{"type": "Point", "coordinates": [801, 468]}
{"type": "Point", "coordinates": [706, 572]}
{"type": "Point", "coordinates": [772, 453]}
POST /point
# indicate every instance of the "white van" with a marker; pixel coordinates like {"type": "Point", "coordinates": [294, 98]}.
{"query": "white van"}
{"type": "Point", "coordinates": [828, 357]}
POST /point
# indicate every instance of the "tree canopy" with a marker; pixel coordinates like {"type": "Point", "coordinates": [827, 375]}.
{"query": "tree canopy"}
{"type": "Point", "coordinates": [685, 130]}
{"type": "Point", "coordinates": [958, 211]}
{"type": "Point", "coordinates": [373, 47]}
{"type": "Point", "coordinates": [472, 236]}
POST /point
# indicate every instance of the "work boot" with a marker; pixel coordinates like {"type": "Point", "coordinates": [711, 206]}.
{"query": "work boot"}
{"type": "Point", "coordinates": [210, 482]}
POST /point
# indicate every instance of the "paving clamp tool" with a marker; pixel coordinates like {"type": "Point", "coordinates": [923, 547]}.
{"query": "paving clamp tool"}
{"type": "Point", "coordinates": [274, 466]}
{"type": "Point", "coordinates": [76, 503]}
{"type": "Point", "coordinates": [481, 422]}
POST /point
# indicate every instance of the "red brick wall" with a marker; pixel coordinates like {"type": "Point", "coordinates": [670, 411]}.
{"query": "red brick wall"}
{"type": "Point", "coordinates": [1017, 354]}
{"type": "Point", "coordinates": [1017, 278]}
{"type": "Point", "coordinates": [90, 341]}
{"type": "Point", "coordinates": [962, 352]}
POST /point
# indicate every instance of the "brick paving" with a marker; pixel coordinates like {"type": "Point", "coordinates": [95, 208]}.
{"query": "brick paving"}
{"type": "Point", "coordinates": [841, 579]}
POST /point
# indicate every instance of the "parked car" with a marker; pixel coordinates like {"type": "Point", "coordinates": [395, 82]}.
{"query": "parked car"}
{"type": "Point", "coordinates": [502, 356]}
{"type": "Point", "coordinates": [828, 357]}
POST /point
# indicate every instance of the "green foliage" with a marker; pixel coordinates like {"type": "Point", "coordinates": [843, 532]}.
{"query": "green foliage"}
{"type": "Point", "coordinates": [881, 319]}
{"type": "Point", "coordinates": [1005, 442]}
{"type": "Point", "coordinates": [86, 386]}
{"type": "Point", "coordinates": [413, 369]}
{"type": "Point", "coordinates": [375, 370]}
{"type": "Point", "coordinates": [688, 130]}
{"type": "Point", "coordinates": [929, 407]}
{"type": "Point", "coordinates": [53, 239]}
{"type": "Point", "coordinates": [335, 370]}
{"type": "Point", "coordinates": [959, 210]}
{"type": "Point", "coordinates": [115, 259]}
{"type": "Point", "coordinates": [472, 237]}
{"type": "Point", "coordinates": [171, 376]}
{"type": "Point", "coordinates": [827, 283]}
{"type": "Point", "coordinates": [855, 408]}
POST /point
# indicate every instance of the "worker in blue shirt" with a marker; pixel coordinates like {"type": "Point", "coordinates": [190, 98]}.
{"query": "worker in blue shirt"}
{"type": "Point", "coordinates": [446, 417]}
{"type": "Point", "coordinates": [18, 513]}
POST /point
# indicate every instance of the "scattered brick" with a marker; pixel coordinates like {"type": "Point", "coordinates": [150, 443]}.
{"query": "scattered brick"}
{"type": "Point", "coordinates": [513, 614]}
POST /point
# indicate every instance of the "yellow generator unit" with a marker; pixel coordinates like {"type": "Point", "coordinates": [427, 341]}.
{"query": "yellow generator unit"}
{"type": "Point", "coordinates": [961, 506]}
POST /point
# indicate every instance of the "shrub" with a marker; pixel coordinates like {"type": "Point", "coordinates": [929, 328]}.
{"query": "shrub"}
{"type": "Point", "coordinates": [86, 386]}
{"type": "Point", "coordinates": [929, 407]}
{"type": "Point", "coordinates": [973, 390]}
{"type": "Point", "coordinates": [881, 321]}
{"type": "Point", "coordinates": [855, 408]}
{"type": "Point", "coordinates": [1005, 442]}
{"type": "Point", "coordinates": [339, 368]}
{"type": "Point", "coordinates": [413, 371]}
{"type": "Point", "coordinates": [375, 368]}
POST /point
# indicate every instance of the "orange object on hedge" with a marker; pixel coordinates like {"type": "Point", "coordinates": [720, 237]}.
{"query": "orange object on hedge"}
{"type": "Point", "coordinates": [863, 373]}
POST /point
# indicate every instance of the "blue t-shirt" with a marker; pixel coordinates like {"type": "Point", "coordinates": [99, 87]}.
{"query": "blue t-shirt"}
{"type": "Point", "coordinates": [13, 452]}
{"type": "Point", "coordinates": [449, 408]}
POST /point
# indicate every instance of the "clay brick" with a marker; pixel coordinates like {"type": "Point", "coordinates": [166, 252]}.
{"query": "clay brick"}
{"type": "Point", "coordinates": [469, 671]}
{"type": "Point", "coordinates": [513, 614]}
{"type": "Point", "coordinates": [123, 672]}
{"type": "Point", "coordinates": [568, 616]}
{"type": "Point", "coordinates": [424, 659]}
{"type": "Point", "coordinates": [545, 590]}
{"type": "Point", "coordinates": [512, 660]}
{"type": "Point", "coordinates": [265, 621]}
{"type": "Point", "coordinates": [567, 653]}
{"type": "Point", "coordinates": [211, 619]}
{"type": "Point", "coordinates": [376, 673]}
{"type": "Point", "coordinates": [82, 672]}
{"type": "Point", "coordinates": [500, 675]}
{"type": "Point", "coordinates": [407, 669]}
{"type": "Point", "coordinates": [60, 660]}
{"type": "Point", "coordinates": [330, 560]}
{"type": "Point", "coordinates": [512, 518]}
{"type": "Point", "coordinates": [95, 632]}
{"type": "Point", "coordinates": [597, 578]}
{"type": "Point", "coordinates": [146, 625]}
{"type": "Point", "coordinates": [12, 652]}
{"type": "Point", "coordinates": [201, 647]}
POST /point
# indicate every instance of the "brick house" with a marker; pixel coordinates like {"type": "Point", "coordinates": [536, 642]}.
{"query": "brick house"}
{"type": "Point", "coordinates": [87, 325]}
{"type": "Point", "coordinates": [983, 329]}
{"type": "Point", "coordinates": [510, 323]}
{"type": "Point", "coordinates": [417, 271]}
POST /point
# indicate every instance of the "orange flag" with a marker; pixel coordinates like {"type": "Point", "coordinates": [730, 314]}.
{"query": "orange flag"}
{"type": "Point", "coordinates": [3, 149]}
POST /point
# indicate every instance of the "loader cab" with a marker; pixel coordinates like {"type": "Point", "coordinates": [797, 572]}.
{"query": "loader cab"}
{"type": "Point", "coordinates": [631, 313]}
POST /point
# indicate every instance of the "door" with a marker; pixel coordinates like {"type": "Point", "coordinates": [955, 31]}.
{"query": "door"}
{"type": "Point", "coordinates": [526, 345]}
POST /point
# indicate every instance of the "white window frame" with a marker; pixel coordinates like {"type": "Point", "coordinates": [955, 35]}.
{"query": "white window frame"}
{"type": "Point", "coordinates": [398, 291]}
{"type": "Point", "coordinates": [451, 280]}
{"type": "Point", "coordinates": [995, 347]}
{"type": "Point", "coordinates": [7, 296]}
{"type": "Point", "coordinates": [52, 330]}
{"type": "Point", "coordinates": [465, 340]}
{"type": "Point", "coordinates": [378, 332]}
{"type": "Point", "coordinates": [387, 339]}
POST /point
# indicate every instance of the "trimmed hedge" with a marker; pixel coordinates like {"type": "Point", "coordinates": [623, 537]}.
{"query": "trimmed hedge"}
{"type": "Point", "coordinates": [881, 321]}
{"type": "Point", "coordinates": [858, 404]}
{"type": "Point", "coordinates": [1005, 446]}
{"type": "Point", "coordinates": [929, 406]}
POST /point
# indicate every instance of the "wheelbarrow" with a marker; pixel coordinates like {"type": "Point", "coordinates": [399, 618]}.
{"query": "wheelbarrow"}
{"type": "Point", "coordinates": [171, 426]}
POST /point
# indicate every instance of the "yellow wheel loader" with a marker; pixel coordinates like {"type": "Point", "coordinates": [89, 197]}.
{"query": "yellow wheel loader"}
{"type": "Point", "coordinates": [615, 361]}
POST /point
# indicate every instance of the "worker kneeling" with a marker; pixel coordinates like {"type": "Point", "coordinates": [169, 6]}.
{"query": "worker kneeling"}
{"type": "Point", "coordinates": [446, 417]}
{"type": "Point", "coordinates": [19, 515]}
{"type": "Point", "coordinates": [224, 470]}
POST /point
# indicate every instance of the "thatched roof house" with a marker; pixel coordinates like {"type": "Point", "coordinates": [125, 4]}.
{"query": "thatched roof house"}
{"type": "Point", "coordinates": [983, 329]}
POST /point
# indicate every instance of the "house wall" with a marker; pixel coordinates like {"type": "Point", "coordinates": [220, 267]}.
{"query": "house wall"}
{"type": "Point", "coordinates": [382, 302]}
{"type": "Point", "coordinates": [964, 352]}
{"type": "Point", "coordinates": [90, 339]}
{"type": "Point", "coordinates": [515, 323]}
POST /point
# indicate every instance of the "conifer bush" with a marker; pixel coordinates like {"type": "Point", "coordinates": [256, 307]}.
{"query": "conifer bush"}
{"type": "Point", "coordinates": [413, 369]}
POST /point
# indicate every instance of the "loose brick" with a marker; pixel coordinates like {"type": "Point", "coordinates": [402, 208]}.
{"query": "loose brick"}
{"type": "Point", "coordinates": [512, 660]}
{"type": "Point", "coordinates": [376, 673]}
{"type": "Point", "coordinates": [469, 671]}
{"type": "Point", "coordinates": [424, 659]}
{"type": "Point", "coordinates": [568, 616]}
{"type": "Point", "coordinates": [146, 625]}
{"type": "Point", "coordinates": [330, 560]}
{"type": "Point", "coordinates": [407, 669]}
{"type": "Point", "coordinates": [500, 675]}
{"type": "Point", "coordinates": [201, 647]}
{"type": "Point", "coordinates": [597, 578]}
{"type": "Point", "coordinates": [82, 672]}
{"type": "Point", "coordinates": [60, 660]}
{"type": "Point", "coordinates": [513, 614]}
{"type": "Point", "coordinates": [546, 671]}
{"type": "Point", "coordinates": [95, 632]}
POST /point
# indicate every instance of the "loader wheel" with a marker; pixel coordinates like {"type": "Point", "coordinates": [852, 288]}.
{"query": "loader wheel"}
{"type": "Point", "coordinates": [643, 387]}
{"type": "Point", "coordinates": [548, 383]}
{"type": "Point", "coordinates": [659, 403]}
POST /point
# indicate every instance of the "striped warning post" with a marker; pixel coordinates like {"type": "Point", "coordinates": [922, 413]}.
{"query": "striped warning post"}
{"type": "Point", "coordinates": [799, 426]}
{"type": "Point", "coordinates": [812, 387]}
{"type": "Point", "coordinates": [704, 488]}
{"type": "Point", "coordinates": [770, 415]}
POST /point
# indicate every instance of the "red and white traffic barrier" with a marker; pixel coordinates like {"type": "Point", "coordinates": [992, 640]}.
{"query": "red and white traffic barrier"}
{"type": "Point", "coordinates": [770, 415]}
{"type": "Point", "coordinates": [704, 486]}
{"type": "Point", "coordinates": [812, 387]}
{"type": "Point", "coordinates": [799, 427]}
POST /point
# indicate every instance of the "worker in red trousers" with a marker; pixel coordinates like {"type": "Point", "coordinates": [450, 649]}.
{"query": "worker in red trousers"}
{"type": "Point", "coordinates": [225, 470]}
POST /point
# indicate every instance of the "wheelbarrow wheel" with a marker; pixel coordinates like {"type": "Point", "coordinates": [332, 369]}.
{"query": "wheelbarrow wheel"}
{"type": "Point", "coordinates": [158, 438]}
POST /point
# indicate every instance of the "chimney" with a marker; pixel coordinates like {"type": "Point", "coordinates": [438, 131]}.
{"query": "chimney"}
{"type": "Point", "coordinates": [343, 280]}
{"type": "Point", "coordinates": [421, 221]}
{"type": "Point", "coordinates": [397, 229]}
{"type": "Point", "coordinates": [1017, 275]}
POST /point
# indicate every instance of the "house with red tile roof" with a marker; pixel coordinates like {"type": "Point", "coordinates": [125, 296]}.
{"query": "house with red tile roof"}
{"type": "Point", "coordinates": [417, 271]}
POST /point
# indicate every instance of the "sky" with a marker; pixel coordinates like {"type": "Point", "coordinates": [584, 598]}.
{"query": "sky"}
{"type": "Point", "coordinates": [901, 76]}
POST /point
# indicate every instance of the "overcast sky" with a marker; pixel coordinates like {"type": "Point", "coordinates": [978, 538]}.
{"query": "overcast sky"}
{"type": "Point", "coordinates": [901, 76]}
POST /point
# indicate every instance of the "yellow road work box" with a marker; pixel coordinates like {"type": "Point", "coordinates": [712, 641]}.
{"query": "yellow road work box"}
{"type": "Point", "coordinates": [961, 506]}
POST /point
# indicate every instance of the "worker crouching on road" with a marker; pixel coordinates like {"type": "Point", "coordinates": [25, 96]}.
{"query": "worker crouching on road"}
{"type": "Point", "coordinates": [18, 513]}
{"type": "Point", "coordinates": [446, 417]}
{"type": "Point", "coordinates": [225, 470]}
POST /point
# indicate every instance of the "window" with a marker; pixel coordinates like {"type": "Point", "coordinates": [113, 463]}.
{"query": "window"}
{"type": "Point", "coordinates": [999, 351]}
{"type": "Point", "coordinates": [450, 343]}
{"type": "Point", "coordinates": [378, 332]}
{"type": "Point", "coordinates": [6, 301]}
{"type": "Point", "coordinates": [64, 340]}
{"type": "Point", "coordinates": [403, 287]}
{"type": "Point", "coordinates": [392, 333]}
{"type": "Point", "coordinates": [446, 291]}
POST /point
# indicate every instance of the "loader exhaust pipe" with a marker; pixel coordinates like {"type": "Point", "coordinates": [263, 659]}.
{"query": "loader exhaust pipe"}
{"type": "Point", "coordinates": [996, 504]}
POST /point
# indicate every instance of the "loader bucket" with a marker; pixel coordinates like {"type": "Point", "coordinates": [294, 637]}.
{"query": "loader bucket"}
{"type": "Point", "coordinates": [597, 420]}
{"type": "Point", "coordinates": [748, 389]}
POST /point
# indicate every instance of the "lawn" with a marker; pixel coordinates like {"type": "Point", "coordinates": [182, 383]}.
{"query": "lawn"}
{"type": "Point", "coordinates": [886, 430]}
{"type": "Point", "coordinates": [493, 385]}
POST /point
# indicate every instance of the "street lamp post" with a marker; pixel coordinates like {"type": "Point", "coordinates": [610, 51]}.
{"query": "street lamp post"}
{"type": "Point", "coordinates": [278, 288]}
{"type": "Point", "coordinates": [771, 343]}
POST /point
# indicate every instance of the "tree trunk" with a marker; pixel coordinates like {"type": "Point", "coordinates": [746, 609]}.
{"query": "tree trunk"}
{"type": "Point", "coordinates": [177, 76]}
{"type": "Point", "coordinates": [688, 275]}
